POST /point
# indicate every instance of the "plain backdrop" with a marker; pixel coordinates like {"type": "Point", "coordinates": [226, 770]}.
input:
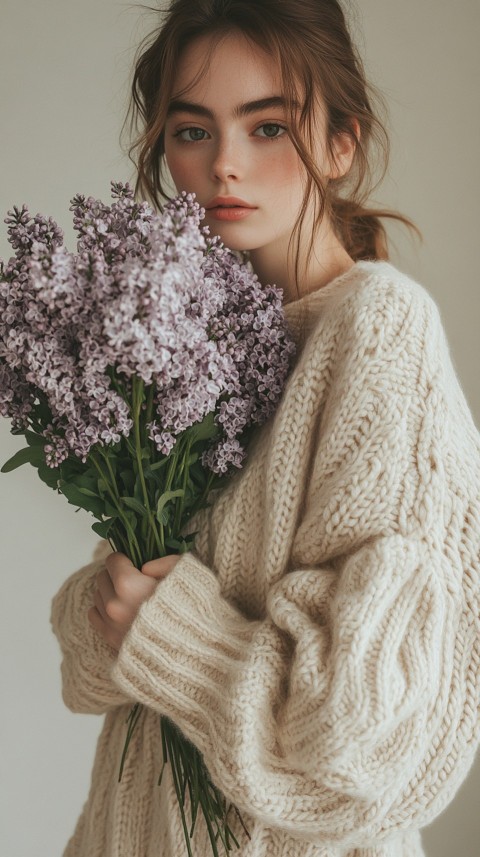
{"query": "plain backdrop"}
{"type": "Point", "coordinates": [65, 70]}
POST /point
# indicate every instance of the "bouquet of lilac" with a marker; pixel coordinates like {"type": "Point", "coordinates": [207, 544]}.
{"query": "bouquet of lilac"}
{"type": "Point", "coordinates": [137, 370]}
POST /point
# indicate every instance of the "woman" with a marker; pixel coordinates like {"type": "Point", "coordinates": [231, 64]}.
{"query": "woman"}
{"type": "Point", "coordinates": [320, 645]}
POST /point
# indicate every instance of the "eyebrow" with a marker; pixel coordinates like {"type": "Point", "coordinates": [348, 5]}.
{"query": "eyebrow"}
{"type": "Point", "coordinates": [246, 109]}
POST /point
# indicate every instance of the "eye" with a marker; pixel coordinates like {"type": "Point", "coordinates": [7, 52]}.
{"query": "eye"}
{"type": "Point", "coordinates": [274, 126]}
{"type": "Point", "coordinates": [195, 130]}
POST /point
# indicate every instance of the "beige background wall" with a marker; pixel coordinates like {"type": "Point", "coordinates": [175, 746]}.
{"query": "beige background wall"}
{"type": "Point", "coordinates": [64, 69]}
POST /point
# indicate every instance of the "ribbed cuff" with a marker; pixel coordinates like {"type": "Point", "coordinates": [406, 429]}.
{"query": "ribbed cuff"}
{"type": "Point", "coordinates": [181, 649]}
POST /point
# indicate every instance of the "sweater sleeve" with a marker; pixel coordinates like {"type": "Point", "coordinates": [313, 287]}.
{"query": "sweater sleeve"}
{"type": "Point", "coordinates": [87, 660]}
{"type": "Point", "coordinates": [349, 712]}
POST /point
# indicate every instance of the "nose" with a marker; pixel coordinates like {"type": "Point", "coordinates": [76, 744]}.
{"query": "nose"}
{"type": "Point", "coordinates": [227, 162]}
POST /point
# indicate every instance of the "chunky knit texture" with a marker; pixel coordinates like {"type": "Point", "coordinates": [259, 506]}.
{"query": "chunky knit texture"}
{"type": "Point", "coordinates": [321, 643]}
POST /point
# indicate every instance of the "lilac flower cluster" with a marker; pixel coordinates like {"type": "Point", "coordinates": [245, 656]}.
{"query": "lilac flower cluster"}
{"type": "Point", "coordinates": [147, 296]}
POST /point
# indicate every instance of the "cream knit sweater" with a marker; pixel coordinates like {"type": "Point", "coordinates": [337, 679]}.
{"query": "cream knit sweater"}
{"type": "Point", "coordinates": [320, 645]}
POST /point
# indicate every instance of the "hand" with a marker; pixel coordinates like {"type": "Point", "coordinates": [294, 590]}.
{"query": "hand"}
{"type": "Point", "coordinates": [121, 590]}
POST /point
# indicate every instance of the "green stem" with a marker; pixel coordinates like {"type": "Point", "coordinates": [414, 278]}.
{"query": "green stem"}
{"type": "Point", "coordinates": [132, 722]}
{"type": "Point", "coordinates": [181, 504]}
{"type": "Point", "coordinates": [152, 447]}
{"type": "Point", "coordinates": [201, 502]}
{"type": "Point", "coordinates": [175, 777]}
{"type": "Point", "coordinates": [149, 412]}
{"type": "Point", "coordinates": [112, 475]}
{"type": "Point", "coordinates": [118, 504]}
{"type": "Point", "coordinates": [135, 552]}
{"type": "Point", "coordinates": [137, 406]}
{"type": "Point", "coordinates": [174, 456]}
{"type": "Point", "coordinates": [188, 769]}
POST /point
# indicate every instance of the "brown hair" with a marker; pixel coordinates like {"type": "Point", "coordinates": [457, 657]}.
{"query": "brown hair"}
{"type": "Point", "coordinates": [311, 42]}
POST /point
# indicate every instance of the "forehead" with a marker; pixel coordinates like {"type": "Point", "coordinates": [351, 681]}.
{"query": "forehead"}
{"type": "Point", "coordinates": [231, 67]}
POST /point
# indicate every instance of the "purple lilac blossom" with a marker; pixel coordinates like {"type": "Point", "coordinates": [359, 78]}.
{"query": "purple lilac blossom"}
{"type": "Point", "coordinates": [147, 296]}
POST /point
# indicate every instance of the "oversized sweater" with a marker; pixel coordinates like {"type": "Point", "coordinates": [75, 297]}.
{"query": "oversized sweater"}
{"type": "Point", "coordinates": [320, 645]}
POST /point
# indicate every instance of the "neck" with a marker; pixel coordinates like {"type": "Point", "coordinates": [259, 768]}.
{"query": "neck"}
{"type": "Point", "coordinates": [328, 260]}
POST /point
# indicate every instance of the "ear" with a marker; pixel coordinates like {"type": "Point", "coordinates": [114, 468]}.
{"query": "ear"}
{"type": "Point", "coordinates": [344, 148]}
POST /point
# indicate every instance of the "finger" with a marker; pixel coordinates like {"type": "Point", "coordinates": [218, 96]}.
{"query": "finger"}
{"type": "Point", "coordinates": [105, 585]}
{"type": "Point", "coordinates": [99, 625]}
{"type": "Point", "coordinates": [119, 566]}
{"type": "Point", "coordinates": [115, 610]}
{"type": "Point", "coordinates": [118, 562]}
{"type": "Point", "coordinates": [95, 618]}
{"type": "Point", "coordinates": [99, 605]}
{"type": "Point", "coordinates": [160, 567]}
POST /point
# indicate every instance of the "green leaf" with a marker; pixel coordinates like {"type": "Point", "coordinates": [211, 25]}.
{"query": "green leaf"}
{"type": "Point", "coordinates": [43, 411]}
{"type": "Point", "coordinates": [162, 502]}
{"type": "Point", "coordinates": [134, 504]}
{"type": "Point", "coordinates": [130, 447]}
{"type": "Point", "coordinates": [30, 455]}
{"type": "Point", "coordinates": [159, 464]}
{"type": "Point", "coordinates": [204, 430]}
{"type": "Point", "coordinates": [102, 528]}
{"type": "Point", "coordinates": [128, 480]}
{"type": "Point", "coordinates": [163, 517]}
{"type": "Point", "coordinates": [88, 480]}
{"type": "Point", "coordinates": [113, 448]}
{"type": "Point", "coordinates": [72, 469]}
{"type": "Point", "coordinates": [49, 475]}
{"type": "Point", "coordinates": [87, 492]}
{"type": "Point", "coordinates": [197, 477]}
{"type": "Point", "coordinates": [34, 439]}
{"type": "Point", "coordinates": [180, 545]}
{"type": "Point", "coordinates": [76, 497]}
{"type": "Point", "coordinates": [111, 510]}
{"type": "Point", "coordinates": [138, 490]}
{"type": "Point", "coordinates": [102, 487]}
{"type": "Point", "coordinates": [130, 516]}
{"type": "Point", "coordinates": [185, 546]}
{"type": "Point", "coordinates": [149, 475]}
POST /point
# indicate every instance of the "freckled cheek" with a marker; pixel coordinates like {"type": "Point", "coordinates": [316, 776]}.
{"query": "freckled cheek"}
{"type": "Point", "coordinates": [184, 169]}
{"type": "Point", "coordinates": [283, 172]}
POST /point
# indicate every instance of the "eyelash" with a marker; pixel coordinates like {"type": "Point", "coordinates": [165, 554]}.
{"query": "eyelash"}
{"type": "Point", "coordinates": [265, 124]}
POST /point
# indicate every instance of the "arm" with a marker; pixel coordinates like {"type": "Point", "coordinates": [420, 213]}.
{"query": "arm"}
{"type": "Point", "coordinates": [350, 712]}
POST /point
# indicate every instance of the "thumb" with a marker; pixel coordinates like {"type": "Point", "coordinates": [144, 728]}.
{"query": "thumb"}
{"type": "Point", "coordinates": [160, 567]}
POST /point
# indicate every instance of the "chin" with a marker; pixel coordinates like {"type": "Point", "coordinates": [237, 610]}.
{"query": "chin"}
{"type": "Point", "coordinates": [235, 233]}
{"type": "Point", "coordinates": [230, 241]}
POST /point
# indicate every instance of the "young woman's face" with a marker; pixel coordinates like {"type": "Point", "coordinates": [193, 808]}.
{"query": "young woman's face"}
{"type": "Point", "coordinates": [248, 155]}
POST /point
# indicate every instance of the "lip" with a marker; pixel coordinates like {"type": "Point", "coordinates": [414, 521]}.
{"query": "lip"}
{"type": "Point", "coordinates": [218, 201]}
{"type": "Point", "coordinates": [237, 213]}
{"type": "Point", "coordinates": [241, 210]}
